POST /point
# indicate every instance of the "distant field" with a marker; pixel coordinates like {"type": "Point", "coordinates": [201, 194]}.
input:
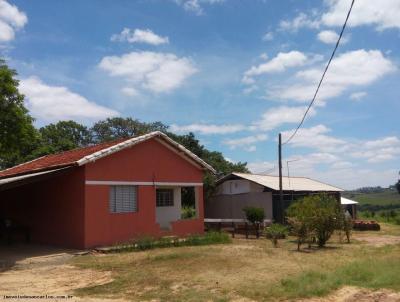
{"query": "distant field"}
{"type": "Point", "coordinates": [385, 198]}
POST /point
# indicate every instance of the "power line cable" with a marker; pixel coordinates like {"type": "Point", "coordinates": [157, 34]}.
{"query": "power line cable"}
{"type": "Point", "coordinates": [323, 75]}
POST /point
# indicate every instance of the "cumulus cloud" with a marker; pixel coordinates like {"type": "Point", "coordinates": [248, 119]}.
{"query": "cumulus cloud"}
{"type": "Point", "coordinates": [382, 14]}
{"type": "Point", "coordinates": [139, 36]}
{"type": "Point", "coordinates": [207, 128]}
{"type": "Point", "coordinates": [330, 37]}
{"type": "Point", "coordinates": [277, 116]}
{"type": "Point", "coordinates": [380, 150]}
{"type": "Point", "coordinates": [152, 71]}
{"type": "Point", "coordinates": [351, 69]}
{"type": "Point", "coordinates": [196, 6]}
{"type": "Point", "coordinates": [11, 20]}
{"type": "Point", "coordinates": [316, 137]}
{"type": "Point", "coordinates": [54, 103]}
{"type": "Point", "coordinates": [269, 36]}
{"type": "Point", "coordinates": [319, 138]}
{"type": "Point", "coordinates": [246, 143]}
{"type": "Point", "coordinates": [279, 63]}
{"type": "Point", "coordinates": [300, 21]}
{"type": "Point", "coordinates": [357, 96]}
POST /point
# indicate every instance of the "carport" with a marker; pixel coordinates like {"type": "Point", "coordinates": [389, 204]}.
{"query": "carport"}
{"type": "Point", "coordinates": [32, 211]}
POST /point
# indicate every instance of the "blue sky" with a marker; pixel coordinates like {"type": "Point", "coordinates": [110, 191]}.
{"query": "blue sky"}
{"type": "Point", "coordinates": [234, 72]}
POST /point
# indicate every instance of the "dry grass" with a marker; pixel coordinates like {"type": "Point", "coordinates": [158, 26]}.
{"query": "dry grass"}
{"type": "Point", "coordinates": [245, 270]}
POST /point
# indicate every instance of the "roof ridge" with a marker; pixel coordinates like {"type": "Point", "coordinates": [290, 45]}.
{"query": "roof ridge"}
{"type": "Point", "coordinates": [283, 176]}
{"type": "Point", "coordinates": [84, 155]}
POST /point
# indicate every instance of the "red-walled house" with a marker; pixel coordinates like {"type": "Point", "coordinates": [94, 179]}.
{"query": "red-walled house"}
{"type": "Point", "coordinates": [105, 194]}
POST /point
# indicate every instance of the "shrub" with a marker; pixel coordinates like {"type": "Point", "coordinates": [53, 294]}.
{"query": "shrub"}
{"type": "Point", "coordinates": [145, 243]}
{"type": "Point", "coordinates": [276, 231]}
{"type": "Point", "coordinates": [319, 214]}
{"type": "Point", "coordinates": [255, 216]}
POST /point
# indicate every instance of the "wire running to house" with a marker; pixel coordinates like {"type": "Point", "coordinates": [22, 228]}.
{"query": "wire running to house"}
{"type": "Point", "coordinates": [323, 76]}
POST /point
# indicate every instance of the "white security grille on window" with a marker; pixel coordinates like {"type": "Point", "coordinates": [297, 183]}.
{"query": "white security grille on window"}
{"type": "Point", "coordinates": [165, 197]}
{"type": "Point", "coordinates": [123, 199]}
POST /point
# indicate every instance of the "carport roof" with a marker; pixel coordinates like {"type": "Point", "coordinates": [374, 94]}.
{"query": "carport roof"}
{"type": "Point", "coordinates": [82, 156]}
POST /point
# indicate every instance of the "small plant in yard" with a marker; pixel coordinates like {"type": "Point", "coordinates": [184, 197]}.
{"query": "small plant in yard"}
{"type": "Point", "coordinates": [255, 216]}
{"type": "Point", "coordinates": [348, 227]}
{"type": "Point", "coordinates": [275, 232]}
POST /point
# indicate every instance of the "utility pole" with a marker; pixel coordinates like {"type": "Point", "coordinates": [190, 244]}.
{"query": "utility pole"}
{"type": "Point", "coordinates": [280, 179]}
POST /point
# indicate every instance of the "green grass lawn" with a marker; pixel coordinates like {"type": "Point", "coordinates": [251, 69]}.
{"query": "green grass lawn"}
{"type": "Point", "coordinates": [246, 269]}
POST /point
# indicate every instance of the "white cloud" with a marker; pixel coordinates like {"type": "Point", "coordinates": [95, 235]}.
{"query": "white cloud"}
{"type": "Point", "coordinates": [139, 36]}
{"type": "Point", "coordinates": [279, 63]}
{"type": "Point", "coordinates": [376, 151]}
{"type": "Point", "coordinates": [277, 116]}
{"type": "Point", "coordinates": [331, 37]}
{"type": "Point", "coordinates": [354, 68]}
{"type": "Point", "coordinates": [300, 21]}
{"type": "Point", "coordinates": [269, 36]}
{"type": "Point", "coordinates": [383, 14]}
{"type": "Point", "coordinates": [54, 103]}
{"type": "Point", "coordinates": [11, 19]}
{"type": "Point", "coordinates": [318, 138]}
{"type": "Point", "coordinates": [196, 6]}
{"type": "Point", "coordinates": [156, 72]}
{"type": "Point", "coordinates": [207, 128]}
{"type": "Point", "coordinates": [356, 96]}
{"type": "Point", "coordinates": [246, 143]}
{"type": "Point", "coordinates": [129, 91]}
{"type": "Point", "coordinates": [315, 137]}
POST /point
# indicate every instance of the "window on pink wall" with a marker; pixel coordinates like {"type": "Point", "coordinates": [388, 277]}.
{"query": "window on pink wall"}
{"type": "Point", "coordinates": [123, 199]}
{"type": "Point", "coordinates": [165, 197]}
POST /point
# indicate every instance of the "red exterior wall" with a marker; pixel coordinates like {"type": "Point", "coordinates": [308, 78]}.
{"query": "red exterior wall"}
{"type": "Point", "coordinates": [63, 210]}
{"type": "Point", "coordinates": [52, 209]}
{"type": "Point", "coordinates": [146, 162]}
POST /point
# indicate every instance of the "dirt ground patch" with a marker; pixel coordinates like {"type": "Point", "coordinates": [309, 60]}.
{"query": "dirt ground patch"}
{"type": "Point", "coordinates": [48, 275]}
{"type": "Point", "coordinates": [379, 240]}
{"type": "Point", "coordinates": [355, 294]}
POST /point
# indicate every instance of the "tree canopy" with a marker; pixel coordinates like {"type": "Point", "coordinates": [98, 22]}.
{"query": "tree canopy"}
{"type": "Point", "coordinates": [18, 136]}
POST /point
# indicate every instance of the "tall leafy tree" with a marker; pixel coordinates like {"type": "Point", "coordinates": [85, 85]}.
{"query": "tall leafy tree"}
{"type": "Point", "coordinates": [18, 136]}
{"type": "Point", "coordinates": [118, 127]}
{"type": "Point", "coordinates": [62, 136]}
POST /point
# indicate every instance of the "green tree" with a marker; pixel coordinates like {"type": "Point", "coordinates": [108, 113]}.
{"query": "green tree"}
{"type": "Point", "coordinates": [118, 127]}
{"type": "Point", "coordinates": [320, 214]}
{"type": "Point", "coordinates": [18, 136]}
{"type": "Point", "coordinates": [398, 186]}
{"type": "Point", "coordinates": [62, 136]}
{"type": "Point", "coordinates": [255, 216]}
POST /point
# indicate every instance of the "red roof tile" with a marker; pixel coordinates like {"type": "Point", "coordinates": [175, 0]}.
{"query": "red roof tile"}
{"type": "Point", "coordinates": [63, 159]}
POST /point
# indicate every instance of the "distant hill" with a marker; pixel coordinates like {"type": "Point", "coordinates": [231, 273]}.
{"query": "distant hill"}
{"type": "Point", "coordinates": [375, 200]}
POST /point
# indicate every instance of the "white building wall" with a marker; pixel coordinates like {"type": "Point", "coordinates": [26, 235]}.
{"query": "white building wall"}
{"type": "Point", "coordinates": [238, 186]}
